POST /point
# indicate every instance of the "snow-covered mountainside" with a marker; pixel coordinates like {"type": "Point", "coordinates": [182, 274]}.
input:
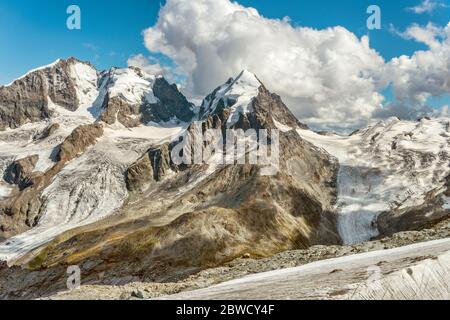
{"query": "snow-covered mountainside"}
{"type": "Point", "coordinates": [396, 169]}
{"type": "Point", "coordinates": [89, 187]}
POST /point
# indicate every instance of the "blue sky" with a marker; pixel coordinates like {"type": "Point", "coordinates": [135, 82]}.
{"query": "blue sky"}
{"type": "Point", "coordinates": [34, 33]}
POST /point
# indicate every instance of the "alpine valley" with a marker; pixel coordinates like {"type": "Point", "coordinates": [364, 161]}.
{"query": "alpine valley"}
{"type": "Point", "coordinates": [87, 178]}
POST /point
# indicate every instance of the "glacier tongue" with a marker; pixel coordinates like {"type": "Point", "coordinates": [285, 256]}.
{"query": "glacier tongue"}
{"type": "Point", "coordinates": [391, 165]}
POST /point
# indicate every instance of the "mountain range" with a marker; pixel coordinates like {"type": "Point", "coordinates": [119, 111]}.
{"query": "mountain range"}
{"type": "Point", "coordinates": [87, 178]}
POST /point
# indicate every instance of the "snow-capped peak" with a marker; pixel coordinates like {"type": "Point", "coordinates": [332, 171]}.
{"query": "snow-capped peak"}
{"type": "Point", "coordinates": [236, 94]}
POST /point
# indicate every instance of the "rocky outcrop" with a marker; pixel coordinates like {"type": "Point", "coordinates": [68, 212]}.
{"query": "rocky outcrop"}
{"type": "Point", "coordinates": [151, 167]}
{"type": "Point", "coordinates": [140, 174]}
{"type": "Point", "coordinates": [116, 109]}
{"type": "Point", "coordinates": [26, 99]}
{"type": "Point", "coordinates": [19, 172]}
{"type": "Point", "coordinates": [78, 141]}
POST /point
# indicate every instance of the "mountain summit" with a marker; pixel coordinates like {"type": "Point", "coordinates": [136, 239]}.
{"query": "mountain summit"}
{"type": "Point", "coordinates": [127, 96]}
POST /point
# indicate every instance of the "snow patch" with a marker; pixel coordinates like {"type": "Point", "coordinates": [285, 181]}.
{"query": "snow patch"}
{"type": "Point", "coordinates": [129, 85]}
{"type": "Point", "coordinates": [282, 127]}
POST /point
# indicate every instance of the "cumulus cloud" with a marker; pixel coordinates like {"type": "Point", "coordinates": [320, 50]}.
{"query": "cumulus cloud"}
{"type": "Point", "coordinates": [404, 112]}
{"type": "Point", "coordinates": [327, 77]}
{"type": "Point", "coordinates": [427, 6]}
{"type": "Point", "coordinates": [149, 65]}
{"type": "Point", "coordinates": [425, 73]}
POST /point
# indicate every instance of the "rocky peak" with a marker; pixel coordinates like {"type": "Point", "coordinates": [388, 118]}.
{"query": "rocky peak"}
{"type": "Point", "coordinates": [170, 103]}
{"type": "Point", "coordinates": [128, 96]}
{"type": "Point", "coordinates": [26, 99]}
{"type": "Point", "coordinates": [236, 94]}
{"type": "Point", "coordinates": [245, 103]}
{"type": "Point", "coordinates": [133, 97]}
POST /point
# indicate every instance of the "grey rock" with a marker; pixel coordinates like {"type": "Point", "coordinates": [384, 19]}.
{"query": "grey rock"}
{"type": "Point", "coordinates": [171, 103]}
{"type": "Point", "coordinates": [25, 100]}
{"type": "Point", "coordinates": [19, 172]}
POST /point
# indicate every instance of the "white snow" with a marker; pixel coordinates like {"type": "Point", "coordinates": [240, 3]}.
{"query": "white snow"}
{"type": "Point", "coordinates": [130, 86]}
{"type": "Point", "coordinates": [282, 127]}
{"type": "Point", "coordinates": [242, 90]}
{"type": "Point", "coordinates": [85, 78]}
{"type": "Point", "coordinates": [418, 271]}
{"type": "Point", "coordinates": [390, 165]}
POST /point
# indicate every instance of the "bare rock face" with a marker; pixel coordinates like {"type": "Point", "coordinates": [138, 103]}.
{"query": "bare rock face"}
{"type": "Point", "coordinates": [116, 109]}
{"type": "Point", "coordinates": [78, 141]}
{"type": "Point", "coordinates": [19, 172]}
{"type": "Point", "coordinates": [26, 99]}
{"type": "Point", "coordinates": [140, 174]}
{"type": "Point", "coordinates": [268, 107]}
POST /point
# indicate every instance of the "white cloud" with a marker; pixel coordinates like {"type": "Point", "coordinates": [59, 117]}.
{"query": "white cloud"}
{"type": "Point", "coordinates": [427, 6]}
{"type": "Point", "coordinates": [425, 73]}
{"type": "Point", "coordinates": [148, 65]}
{"type": "Point", "coordinates": [429, 35]}
{"type": "Point", "coordinates": [327, 77]}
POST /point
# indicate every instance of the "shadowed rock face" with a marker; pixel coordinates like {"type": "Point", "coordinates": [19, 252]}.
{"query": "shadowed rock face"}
{"type": "Point", "coordinates": [171, 103]}
{"type": "Point", "coordinates": [25, 100]}
{"type": "Point", "coordinates": [19, 172]}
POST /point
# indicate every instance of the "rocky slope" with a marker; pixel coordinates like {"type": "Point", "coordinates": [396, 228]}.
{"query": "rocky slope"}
{"type": "Point", "coordinates": [246, 266]}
